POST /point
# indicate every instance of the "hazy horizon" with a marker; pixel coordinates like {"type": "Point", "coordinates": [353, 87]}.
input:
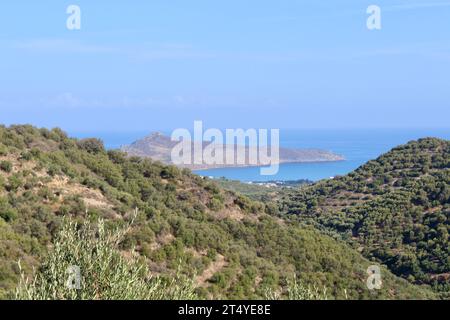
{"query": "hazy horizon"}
{"type": "Point", "coordinates": [296, 64]}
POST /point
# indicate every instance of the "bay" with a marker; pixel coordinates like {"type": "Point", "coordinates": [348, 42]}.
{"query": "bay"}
{"type": "Point", "coordinates": [357, 146]}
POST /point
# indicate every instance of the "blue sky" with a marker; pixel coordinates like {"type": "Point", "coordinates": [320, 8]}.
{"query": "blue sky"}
{"type": "Point", "coordinates": [158, 64]}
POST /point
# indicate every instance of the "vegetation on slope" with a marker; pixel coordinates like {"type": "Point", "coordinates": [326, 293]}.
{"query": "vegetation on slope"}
{"type": "Point", "coordinates": [101, 273]}
{"type": "Point", "coordinates": [395, 210]}
{"type": "Point", "coordinates": [267, 192]}
{"type": "Point", "coordinates": [230, 245]}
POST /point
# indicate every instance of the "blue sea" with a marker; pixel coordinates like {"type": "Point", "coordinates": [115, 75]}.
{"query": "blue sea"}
{"type": "Point", "coordinates": [356, 145]}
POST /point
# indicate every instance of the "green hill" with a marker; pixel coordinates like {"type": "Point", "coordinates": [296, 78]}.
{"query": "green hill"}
{"type": "Point", "coordinates": [230, 245]}
{"type": "Point", "coordinates": [394, 210]}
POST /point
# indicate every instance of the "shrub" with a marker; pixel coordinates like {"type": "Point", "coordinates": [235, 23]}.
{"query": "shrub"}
{"type": "Point", "coordinates": [14, 183]}
{"type": "Point", "coordinates": [3, 150]}
{"type": "Point", "coordinates": [6, 166]}
{"type": "Point", "coordinates": [216, 204]}
{"type": "Point", "coordinates": [92, 145]}
{"type": "Point", "coordinates": [105, 273]}
{"type": "Point", "coordinates": [8, 214]}
{"type": "Point", "coordinates": [297, 290]}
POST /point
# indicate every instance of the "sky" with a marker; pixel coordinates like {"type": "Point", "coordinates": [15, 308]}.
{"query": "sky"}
{"type": "Point", "coordinates": [159, 65]}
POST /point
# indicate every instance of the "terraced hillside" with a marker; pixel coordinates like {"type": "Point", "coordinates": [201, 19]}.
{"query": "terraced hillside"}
{"type": "Point", "coordinates": [393, 210]}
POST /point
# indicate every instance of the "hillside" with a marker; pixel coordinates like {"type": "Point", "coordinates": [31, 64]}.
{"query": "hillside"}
{"type": "Point", "coordinates": [266, 191]}
{"type": "Point", "coordinates": [393, 210]}
{"type": "Point", "coordinates": [159, 147]}
{"type": "Point", "coordinates": [230, 245]}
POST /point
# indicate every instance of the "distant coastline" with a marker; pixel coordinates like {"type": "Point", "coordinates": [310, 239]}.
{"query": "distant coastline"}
{"type": "Point", "coordinates": [357, 146]}
{"type": "Point", "coordinates": [212, 167]}
{"type": "Point", "coordinates": [158, 146]}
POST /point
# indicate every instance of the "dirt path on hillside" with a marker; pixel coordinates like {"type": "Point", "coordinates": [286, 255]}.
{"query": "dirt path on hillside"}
{"type": "Point", "coordinates": [215, 266]}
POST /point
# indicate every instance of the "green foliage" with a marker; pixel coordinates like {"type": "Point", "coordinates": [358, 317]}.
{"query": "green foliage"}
{"type": "Point", "coordinates": [15, 182]}
{"type": "Point", "coordinates": [92, 145]}
{"type": "Point", "coordinates": [187, 225]}
{"type": "Point", "coordinates": [104, 273]}
{"type": "Point", "coordinates": [3, 150]}
{"type": "Point", "coordinates": [396, 209]}
{"type": "Point", "coordinates": [260, 191]}
{"type": "Point", "coordinates": [297, 290]}
{"type": "Point", "coordinates": [6, 166]}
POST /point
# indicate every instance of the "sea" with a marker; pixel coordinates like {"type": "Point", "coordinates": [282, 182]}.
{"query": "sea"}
{"type": "Point", "coordinates": [356, 145]}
